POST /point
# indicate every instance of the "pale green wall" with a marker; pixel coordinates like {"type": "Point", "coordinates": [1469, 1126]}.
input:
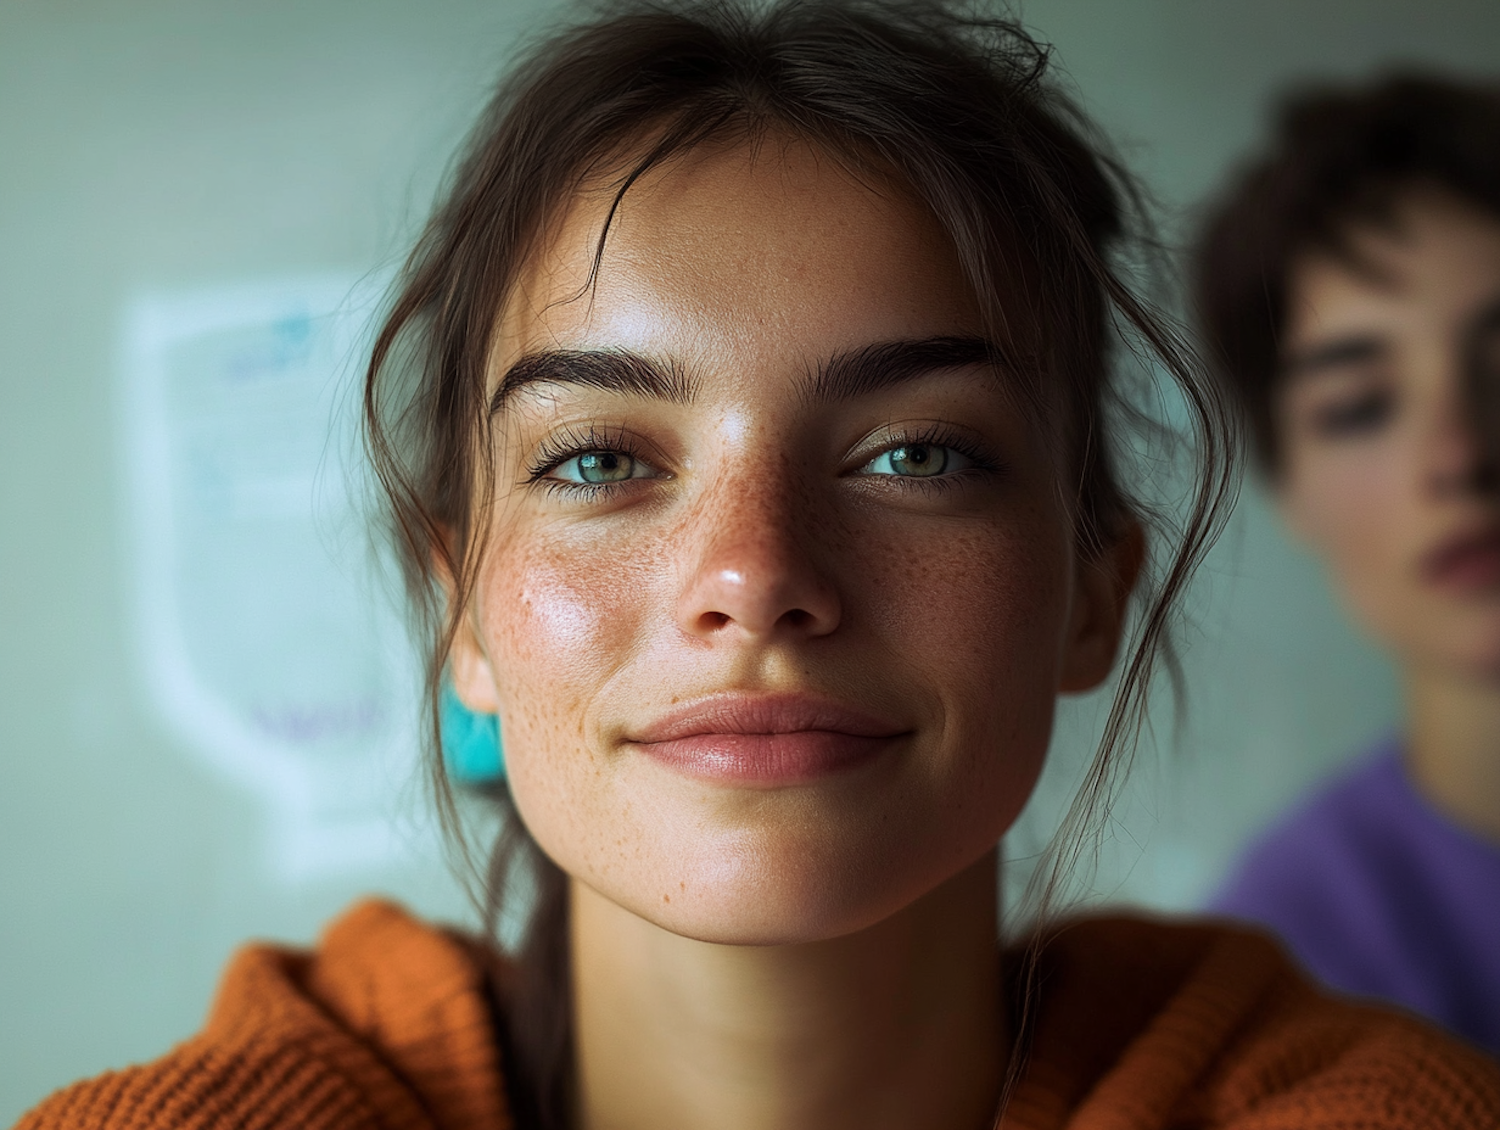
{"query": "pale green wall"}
{"type": "Point", "coordinates": [180, 146]}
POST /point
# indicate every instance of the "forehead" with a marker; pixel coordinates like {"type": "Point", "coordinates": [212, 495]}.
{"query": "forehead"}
{"type": "Point", "coordinates": [766, 251]}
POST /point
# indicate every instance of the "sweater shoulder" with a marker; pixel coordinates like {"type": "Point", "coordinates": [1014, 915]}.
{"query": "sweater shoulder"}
{"type": "Point", "coordinates": [385, 1024]}
{"type": "Point", "coordinates": [1210, 1025]}
{"type": "Point", "coordinates": [199, 1086]}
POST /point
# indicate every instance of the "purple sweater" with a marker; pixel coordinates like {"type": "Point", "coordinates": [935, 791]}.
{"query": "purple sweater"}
{"type": "Point", "coordinates": [1380, 896]}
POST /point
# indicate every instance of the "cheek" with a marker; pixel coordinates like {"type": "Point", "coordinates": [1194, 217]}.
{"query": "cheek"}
{"type": "Point", "coordinates": [1349, 508]}
{"type": "Point", "coordinates": [979, 620]}
{"type": "Point", "coordinates": [558, 622]}
{"type": "Point", "coordinates": [549, 618]}
{"type": "Point", "coordinates": [975, 603]}
{"type": "Point", "coordinates": [1006, 656]}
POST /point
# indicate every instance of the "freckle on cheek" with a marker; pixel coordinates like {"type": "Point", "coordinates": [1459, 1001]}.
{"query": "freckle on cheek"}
{"type": "Point", "coordinates": [559, 614]}
{"type": "Point", "coordinates": [547, 609]}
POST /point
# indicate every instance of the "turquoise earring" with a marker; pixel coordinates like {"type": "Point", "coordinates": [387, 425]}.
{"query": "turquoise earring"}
{"type": "Point", "coordinates": [471, 742]}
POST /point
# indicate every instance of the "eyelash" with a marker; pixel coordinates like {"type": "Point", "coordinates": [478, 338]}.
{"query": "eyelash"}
{"type": "Point", "coordinates": [934, 435]}
{"type": "Point", "coordinates": [557, 449]}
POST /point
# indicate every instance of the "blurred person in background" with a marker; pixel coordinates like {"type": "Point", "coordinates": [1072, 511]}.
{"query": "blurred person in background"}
{"type": "Point", "coordinates": [1348, 288]}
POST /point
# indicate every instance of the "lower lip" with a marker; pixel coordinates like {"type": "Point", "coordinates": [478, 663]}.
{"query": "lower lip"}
{"type": "Point", "coordinates": [1474, 570]}
{"type": "Point", "coordinates": [767, 759]}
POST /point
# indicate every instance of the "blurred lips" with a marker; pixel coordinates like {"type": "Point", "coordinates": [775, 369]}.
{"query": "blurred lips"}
{"type": "Point", "coordinates": [765, 740]}
{"type": "Point", "coordinates": [1465, 563]}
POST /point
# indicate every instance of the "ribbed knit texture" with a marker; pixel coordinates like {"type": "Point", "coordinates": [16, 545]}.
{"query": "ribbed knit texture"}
{"type": "Point", "coordinates": [1135, 1026]}
{"type": "Point", "coordinates": [385, 1026]}
{"type": "Point", "coordinates": [1146, 1026]}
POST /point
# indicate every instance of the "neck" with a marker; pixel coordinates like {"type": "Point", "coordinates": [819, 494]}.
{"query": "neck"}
{"type": "Point", "coordinates": [1454, 749]}
{"type": "Point", "coordinates": [896, 1026]}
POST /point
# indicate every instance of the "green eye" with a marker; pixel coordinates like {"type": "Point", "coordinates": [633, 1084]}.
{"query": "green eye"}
{"type": "Point", "coordinates": [597, 467]}
{"type": "Point", "coordinates": [915, 461]}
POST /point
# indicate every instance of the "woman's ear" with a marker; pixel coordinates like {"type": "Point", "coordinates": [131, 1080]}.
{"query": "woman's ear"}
{"type": "Point", "coordinates": [470, 669]}
{"type": "Point", "coordinates": [1101, 597]}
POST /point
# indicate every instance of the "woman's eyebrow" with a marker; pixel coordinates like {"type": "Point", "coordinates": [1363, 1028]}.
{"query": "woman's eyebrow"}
{"type": "Point", "coordinates": [871, 368]}
{"type": "Point", "coordinates": [613, 370]}
{"type": "Point", "coordinates": [844, 376]}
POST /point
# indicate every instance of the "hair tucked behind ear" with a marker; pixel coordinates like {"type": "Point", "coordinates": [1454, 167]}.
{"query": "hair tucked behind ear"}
{"type": "Point", "coordinates": [953, 103]}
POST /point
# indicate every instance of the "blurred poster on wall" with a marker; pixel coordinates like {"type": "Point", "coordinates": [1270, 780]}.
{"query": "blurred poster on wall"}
{"type": "Point", "coordinates": [266, 642]}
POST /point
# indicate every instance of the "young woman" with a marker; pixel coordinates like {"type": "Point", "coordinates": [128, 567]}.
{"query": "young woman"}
{"type": "Point", "coordinates": [746, 419]}
{"type": "Point", "coordinates": [1350, 283]}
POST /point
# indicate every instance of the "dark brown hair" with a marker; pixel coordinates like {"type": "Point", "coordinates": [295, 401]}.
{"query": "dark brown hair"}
{"type": "Point", "coordinates": [1339, 158]}
{"type": "Point", "coordinates": [954, 106]}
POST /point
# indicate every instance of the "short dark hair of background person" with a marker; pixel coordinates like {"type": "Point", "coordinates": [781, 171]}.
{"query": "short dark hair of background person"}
{"type": "Point", "coordinates": [1340, 157]}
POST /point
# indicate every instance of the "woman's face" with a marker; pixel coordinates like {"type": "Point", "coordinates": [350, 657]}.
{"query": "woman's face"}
{"type": "Point", "coordinates": [1384, 474]}
{"type": "Point", "coordinates": [780, 587]}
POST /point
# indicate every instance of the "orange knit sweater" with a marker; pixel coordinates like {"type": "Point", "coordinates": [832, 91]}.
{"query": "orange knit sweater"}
{"type": "Point", "coordinates": [1138, 1025]}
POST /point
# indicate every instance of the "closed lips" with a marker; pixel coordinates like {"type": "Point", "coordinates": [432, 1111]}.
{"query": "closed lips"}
{"type": "Point", "coordinates": [738, 714]}
{"type": "Point", "coordinates": [1465, 559]}
{"type": "Point", "coordinates": [766, 742]}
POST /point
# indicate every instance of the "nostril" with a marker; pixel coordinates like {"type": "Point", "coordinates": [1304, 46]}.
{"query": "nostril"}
{"type": "Point", "coordinates": [713, 621]}
{"type": "Point", "coordinates": [797, 617]}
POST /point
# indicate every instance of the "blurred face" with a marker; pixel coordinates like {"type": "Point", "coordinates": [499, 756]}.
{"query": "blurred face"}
{"type": "Point", "coordinates": [779, 590]}
{"type": "Point", "coordinates": [1384, 474]}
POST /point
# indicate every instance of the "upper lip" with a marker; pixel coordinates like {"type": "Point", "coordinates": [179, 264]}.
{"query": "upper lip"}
{"type": "Point", "coordinates": [737, 713]}
{"type": "Point", "coordinates": [1453, 550]}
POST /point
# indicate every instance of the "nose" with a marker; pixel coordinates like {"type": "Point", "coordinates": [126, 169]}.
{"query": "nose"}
{"type": "Point", "coordinates": [1482, 404]}
{"type": "Point", "coordinates": [753, 572]}
{"type": "Point", "coordinates": [1461, 454]}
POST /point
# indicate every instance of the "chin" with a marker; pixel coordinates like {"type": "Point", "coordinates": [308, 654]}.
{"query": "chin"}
{"type": "Point", "coordinates": [752, 924]}
{"type": "Point", "coordinates": [1473, 657]}
{"type": "Point", "coordinates": [748, 892]}
{"type": "Point", "coordinates": [1471, 643]}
